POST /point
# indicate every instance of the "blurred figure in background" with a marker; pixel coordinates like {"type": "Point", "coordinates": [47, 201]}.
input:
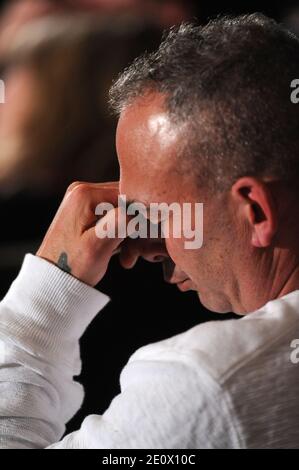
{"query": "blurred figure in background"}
{"type": "Point", "coordinates": [163, 14]}
{"type": "Point", "coordinates": [57, 73]}
{"type": "Point", "coordinates": [55, 127]}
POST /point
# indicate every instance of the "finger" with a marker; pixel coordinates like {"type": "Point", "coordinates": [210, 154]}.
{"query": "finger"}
{"type": "Point", "coordinates": [88, 184]}
{"type": "Point", "coordinates": [110, 231]}
{"type": "Point", "coordinates": [151, 250]}
{"type": "Point", "coordinates": [90, 201]}
{"type": "Point", "coordinates": [129, 253]}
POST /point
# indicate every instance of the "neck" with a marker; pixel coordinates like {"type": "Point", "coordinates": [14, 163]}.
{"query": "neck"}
{"type": "Point", "coordinates": [290, 284]}
{"type": "Point", "coordinates": [270, 281]}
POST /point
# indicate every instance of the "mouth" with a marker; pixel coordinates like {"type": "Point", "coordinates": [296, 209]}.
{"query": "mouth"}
{"type": "Point", "coordinates": [184, 285]}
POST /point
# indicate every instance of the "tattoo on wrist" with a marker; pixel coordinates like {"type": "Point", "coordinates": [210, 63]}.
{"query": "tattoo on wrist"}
{"type": "Point", "coordinates": [62, 263]}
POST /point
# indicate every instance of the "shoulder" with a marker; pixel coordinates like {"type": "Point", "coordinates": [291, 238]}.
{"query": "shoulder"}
{"type": "Point", "coordinates": [219, 348]}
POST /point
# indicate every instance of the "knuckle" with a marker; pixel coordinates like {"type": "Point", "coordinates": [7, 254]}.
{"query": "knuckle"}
{"type": "Point", "coordinates": [78, 190]}
{"type": "Point", "coordinates": [73, 186]}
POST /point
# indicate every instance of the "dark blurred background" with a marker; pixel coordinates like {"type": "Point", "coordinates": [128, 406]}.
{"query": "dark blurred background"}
{"type": "Point", "coordinates": [58, 60]}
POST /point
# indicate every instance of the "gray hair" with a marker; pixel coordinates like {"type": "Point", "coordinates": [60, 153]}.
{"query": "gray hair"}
{"type": "Point", "coordinates": [229, 81]}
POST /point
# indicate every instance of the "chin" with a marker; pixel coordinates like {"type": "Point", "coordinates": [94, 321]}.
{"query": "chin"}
{"type": "Point", "coordinates": [213, 304]}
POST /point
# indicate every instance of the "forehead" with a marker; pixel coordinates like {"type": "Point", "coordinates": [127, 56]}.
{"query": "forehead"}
{"type": "Point", "coordinates": [147, 145]}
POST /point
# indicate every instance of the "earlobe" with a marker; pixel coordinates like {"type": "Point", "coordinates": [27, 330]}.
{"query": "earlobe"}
{"type": "Point", "coordinates": [252, 219]}
{"type": "Point", "coordinates": [257, 242]}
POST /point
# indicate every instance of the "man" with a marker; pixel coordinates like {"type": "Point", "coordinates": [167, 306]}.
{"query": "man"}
{"type": "Point", "coordinates": [207, 118]}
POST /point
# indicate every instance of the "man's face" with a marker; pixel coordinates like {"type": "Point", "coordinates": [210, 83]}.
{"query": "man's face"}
{"type": "Point", "coordinates": [147, 145]}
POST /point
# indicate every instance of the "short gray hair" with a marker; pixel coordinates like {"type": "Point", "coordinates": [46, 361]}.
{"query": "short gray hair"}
{"type": "Point", "coordinates": [230, 82]}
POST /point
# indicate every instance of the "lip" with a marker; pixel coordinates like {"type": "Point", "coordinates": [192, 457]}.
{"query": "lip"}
{"type": "Point", "coordinates": [184, 285]}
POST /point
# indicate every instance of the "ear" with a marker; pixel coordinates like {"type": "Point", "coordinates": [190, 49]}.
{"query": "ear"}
{"type": "Point", "coordinates": [255, 200]}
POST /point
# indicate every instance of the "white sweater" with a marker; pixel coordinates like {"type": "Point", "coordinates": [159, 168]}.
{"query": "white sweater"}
{"type": "Point", "coordinates": [223, 384]}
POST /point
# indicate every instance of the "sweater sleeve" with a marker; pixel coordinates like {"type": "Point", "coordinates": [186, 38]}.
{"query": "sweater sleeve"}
{"type": "Point", "coordinates": [42, 318]}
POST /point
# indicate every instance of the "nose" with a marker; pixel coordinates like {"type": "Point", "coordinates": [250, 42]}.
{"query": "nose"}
{"type": "Point", "coordinates": [151, 250]}
{"type": "Point", "coordinates": [168, 270]}
{"type": "Point", "coordinates": [172, 274]}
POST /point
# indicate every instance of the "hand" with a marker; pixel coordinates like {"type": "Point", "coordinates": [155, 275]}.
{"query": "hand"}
{"type": "Point", "coordinates": [71, 241]}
